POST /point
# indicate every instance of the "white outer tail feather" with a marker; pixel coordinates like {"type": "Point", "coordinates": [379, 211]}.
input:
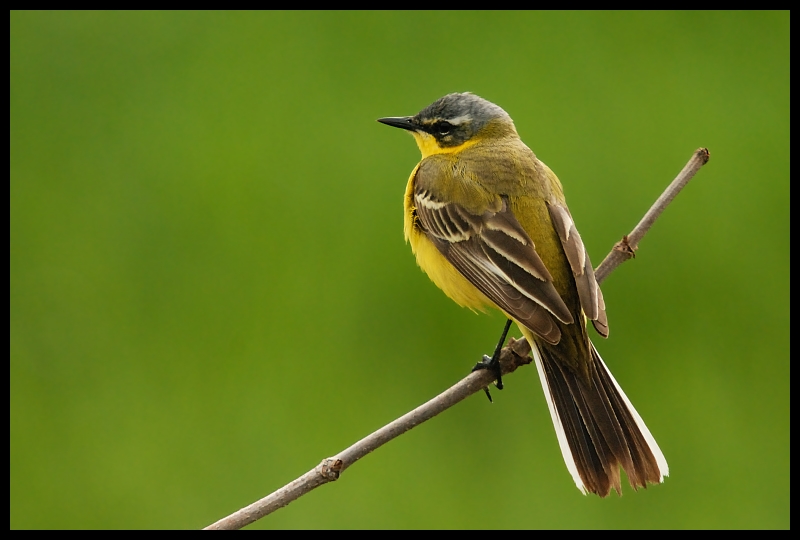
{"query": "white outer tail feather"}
{"type": "Point", "coordinates": [663, 468]}
{"type": "Point", "coordinates": [560, 434]}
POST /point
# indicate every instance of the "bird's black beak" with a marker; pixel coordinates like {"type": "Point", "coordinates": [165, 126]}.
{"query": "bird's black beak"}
{"type": "Point", "coordinates": [402, 122]}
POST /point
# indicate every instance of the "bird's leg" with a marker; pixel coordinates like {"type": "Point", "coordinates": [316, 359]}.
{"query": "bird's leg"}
{"type": "Point", "coordinates": [493, 362]}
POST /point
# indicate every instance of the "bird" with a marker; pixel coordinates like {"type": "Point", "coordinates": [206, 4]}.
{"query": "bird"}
{"type": "Point", "coordinates": [489, 224]}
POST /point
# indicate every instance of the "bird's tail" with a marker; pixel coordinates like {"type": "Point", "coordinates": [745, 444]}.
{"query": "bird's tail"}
{"type": "Point", "coordinates": [598, 429]}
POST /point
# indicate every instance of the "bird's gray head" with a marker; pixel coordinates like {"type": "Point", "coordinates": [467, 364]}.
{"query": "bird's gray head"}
{"type": "Point", "coordinates": [455, 118]}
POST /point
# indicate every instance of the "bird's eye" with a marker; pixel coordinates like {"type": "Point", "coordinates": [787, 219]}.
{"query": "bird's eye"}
{"type": "Point", "coordinates": [443, 128]}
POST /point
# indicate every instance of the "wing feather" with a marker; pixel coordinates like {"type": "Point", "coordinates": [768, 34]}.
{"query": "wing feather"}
{"type": "Point", "coordinates": [497, 256]}
{"type": "Point", "coordinates": [477, 269]}
{"type": "Point", "coordinates": [589, 292]}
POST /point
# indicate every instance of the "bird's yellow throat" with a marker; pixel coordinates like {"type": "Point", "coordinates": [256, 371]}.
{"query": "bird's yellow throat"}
{"type": "Point", "coordinates": [429, 146]}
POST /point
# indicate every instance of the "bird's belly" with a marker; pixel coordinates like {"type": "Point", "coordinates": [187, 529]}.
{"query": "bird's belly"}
{"type": "Point", "coordinates": [445, 275]}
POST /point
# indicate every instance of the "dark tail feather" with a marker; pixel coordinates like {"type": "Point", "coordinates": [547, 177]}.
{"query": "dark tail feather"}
{"type": "Point", "coordinates": [598, 429]}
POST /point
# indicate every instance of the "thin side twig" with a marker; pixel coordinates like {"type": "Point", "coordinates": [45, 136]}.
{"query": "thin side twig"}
{"type": "Point", "coordinates": [514, 355]}
{"type": "Point", "coordinates": [626, 248]}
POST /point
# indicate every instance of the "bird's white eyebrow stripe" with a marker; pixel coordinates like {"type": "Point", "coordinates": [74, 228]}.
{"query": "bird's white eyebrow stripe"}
{"type": "Point", "coordinates": [458, 120]}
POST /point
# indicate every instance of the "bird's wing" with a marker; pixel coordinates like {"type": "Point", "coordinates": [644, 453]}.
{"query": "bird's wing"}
{"type": "Point", "coordinates": [494, 253]}
{"type": "Point", "coordinates": [589, 292]}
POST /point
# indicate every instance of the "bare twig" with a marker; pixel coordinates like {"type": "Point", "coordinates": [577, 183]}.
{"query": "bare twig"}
{"type": "Point", "coordinates": [514, 355]}
{"type": "Point", "coordinates": [626, 248]}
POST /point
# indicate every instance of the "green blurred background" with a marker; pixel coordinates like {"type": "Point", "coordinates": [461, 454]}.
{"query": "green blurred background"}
{"type": "Point", "coordinates": [210, 292]}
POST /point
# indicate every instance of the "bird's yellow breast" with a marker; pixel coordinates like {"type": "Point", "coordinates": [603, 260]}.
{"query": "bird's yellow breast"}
{"type": "Point", "coordinates": [443, 274]}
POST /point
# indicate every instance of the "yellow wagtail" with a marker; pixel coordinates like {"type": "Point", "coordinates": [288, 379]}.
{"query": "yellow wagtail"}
{"type": "Point", "coordinates": [489, 224]}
